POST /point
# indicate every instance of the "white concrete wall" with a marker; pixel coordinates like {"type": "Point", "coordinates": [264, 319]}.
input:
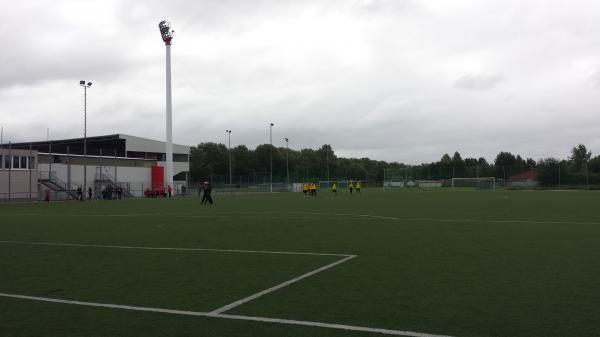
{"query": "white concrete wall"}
{"type": "Point", "coordinates": [178, 167]}
{"type": "Point", "coordinates": [139, 144]}
{"type": "Point", "coordinates": [135, 176]}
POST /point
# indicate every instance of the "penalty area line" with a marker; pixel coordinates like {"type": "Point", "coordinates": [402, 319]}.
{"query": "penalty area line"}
{"type": "Point", "coordinates": [224, 316]}
{"type": "Point", "coordinates": [60, 244]}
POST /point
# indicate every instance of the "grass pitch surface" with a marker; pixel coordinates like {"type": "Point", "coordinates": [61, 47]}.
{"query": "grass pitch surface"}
{"type": "Point", "coordinates": [505, 263]}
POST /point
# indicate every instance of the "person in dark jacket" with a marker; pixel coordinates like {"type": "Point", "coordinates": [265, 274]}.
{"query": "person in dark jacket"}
{"type": "Point", "coordinates": [206, 197]}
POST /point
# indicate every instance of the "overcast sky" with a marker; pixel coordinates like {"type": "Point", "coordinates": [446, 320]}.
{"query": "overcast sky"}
{"type": "Point", "coordinates": [402, 80]}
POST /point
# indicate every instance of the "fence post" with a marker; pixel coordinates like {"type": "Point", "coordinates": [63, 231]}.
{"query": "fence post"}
{"type": "Point", "coordinates": [100, 164]}
{"type": "Point", "coordinates": [116, 177]}
{"type": "Point", "coordinates": [50, 160]}
{"type": "Point", "coordinates": [69, 168]}
{"type": "Point", "coordinates": [29, 167]}
{"type": "Point", "coordinates": [587, 176]}
{"type": "Point", "coordinates": [10, 159]}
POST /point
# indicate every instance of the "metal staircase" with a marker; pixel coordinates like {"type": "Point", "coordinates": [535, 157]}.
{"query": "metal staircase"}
{"type": "Point", "coordinates": [108, 180]}
{"type": "Point", "coordinates": [50, 180]}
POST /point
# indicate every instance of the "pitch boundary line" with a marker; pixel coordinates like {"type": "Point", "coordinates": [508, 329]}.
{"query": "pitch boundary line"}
{"type": "Point", "coordinates": [224, 316]}
{"type": "Point", "coordinates": [60, 244]}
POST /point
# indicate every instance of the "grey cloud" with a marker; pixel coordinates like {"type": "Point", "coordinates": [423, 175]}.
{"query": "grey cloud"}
{"type": "Point", "coordinates": [595, 78]}
{"type": "Point", "coordinates": [479, 81]}
{"type": "Point", "coordinates": [378, 6]}
{"type": "Point", "coordinates": [368, 77]}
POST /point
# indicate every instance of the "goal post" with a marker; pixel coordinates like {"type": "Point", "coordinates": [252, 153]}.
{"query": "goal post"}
{"type": "Point", "coordinates": [481, 183]}
{"type": "Point", "coordinates": [326, 184]}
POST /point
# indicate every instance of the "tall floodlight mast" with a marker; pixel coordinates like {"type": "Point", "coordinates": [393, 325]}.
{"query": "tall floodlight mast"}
{"type": "Point", "coordinates": [167, 35]}
{"type": "Point", "coordinates": [85, 88]}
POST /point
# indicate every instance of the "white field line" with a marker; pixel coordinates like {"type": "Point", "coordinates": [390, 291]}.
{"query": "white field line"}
{"type": "Point", "coordinates": [279, 286]}
{"type": "Point", "coordinates": [223, 316]}
{"type": "Point", "coordinates": [59, 244]}
{"type": "Point", "coordinates": [330, 326]}
{"type": "Point", "coordinates": [259, 215]}
{"type": "Point", "coordinates": [104, 305]}
{"type": "Point", "coordinates": [568, 222]}
{"type": "Point", "coordinates": [191, 216]}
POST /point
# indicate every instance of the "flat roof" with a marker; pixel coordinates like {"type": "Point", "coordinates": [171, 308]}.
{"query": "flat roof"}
{"type": "Point", "coordinates": [107, 144]}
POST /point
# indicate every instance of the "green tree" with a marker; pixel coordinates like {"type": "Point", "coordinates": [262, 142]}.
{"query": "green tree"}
{"type": "Point", "coordinates": [548, 171]}
{"type": "Point", "coordinates": [208, 159]}
{"type": "Point", "coordinates": [579, 156]}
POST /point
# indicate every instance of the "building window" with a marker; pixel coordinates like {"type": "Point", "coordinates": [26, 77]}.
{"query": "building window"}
{"type": "Point", "coordinates": [15, 162]}
{"type": "Point", "coordinates": [1, 161]}
{"type": "Point", "coordinates": [32, 163]}
{"type": "Point", "coordinates": [23, 162]}
{"type": "Point", "coordinates": [7, 162]}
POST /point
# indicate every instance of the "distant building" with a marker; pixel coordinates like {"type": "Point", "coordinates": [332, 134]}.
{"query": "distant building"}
{"type": "Point", "coordinates": [112, 160]}
{"type": "Point", "coordinates": [18, 175]}
{"type": "Point", "coordinates": [524, 179]}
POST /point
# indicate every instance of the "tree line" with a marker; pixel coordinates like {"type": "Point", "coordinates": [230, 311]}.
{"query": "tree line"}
{"type": "Point", "coordinates": [210, 162]}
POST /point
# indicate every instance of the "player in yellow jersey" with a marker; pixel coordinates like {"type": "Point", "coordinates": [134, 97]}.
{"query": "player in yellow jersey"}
{"type": "Point", "coordinates": [350, 186]}
{"type": "Point", "coordinates": [305, 190]}
{"type": "Point", "coordinates": [358, 185]}
{"type": "Point", "coordinates": [313, 189]}
{"type": "Point", "coordinates": [334, 188]}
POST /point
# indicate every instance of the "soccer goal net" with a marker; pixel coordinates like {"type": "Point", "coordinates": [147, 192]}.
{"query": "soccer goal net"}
{"type": "Point", "coordinates": [482, 183]}
{"type": "Point", "coordinates": [395, 177]}
{"type": "Point", "coordinates": [326, 184]}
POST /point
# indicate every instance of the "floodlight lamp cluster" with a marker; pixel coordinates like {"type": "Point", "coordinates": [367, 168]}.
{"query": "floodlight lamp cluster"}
{"type": "Point", "coordinates": [83, 84]}
{"type": "Point", "coordinates": [166, 32]}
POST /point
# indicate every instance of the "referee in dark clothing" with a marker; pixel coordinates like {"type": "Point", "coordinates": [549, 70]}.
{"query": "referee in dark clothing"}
{"type": "Point", "coordinates": [206, 198]}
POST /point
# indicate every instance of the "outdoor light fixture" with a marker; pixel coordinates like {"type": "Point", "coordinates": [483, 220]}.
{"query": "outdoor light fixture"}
{"type": "Point", "coordinates": [166, 31]}
{"type": "Point", "coordinates": [167, 36]}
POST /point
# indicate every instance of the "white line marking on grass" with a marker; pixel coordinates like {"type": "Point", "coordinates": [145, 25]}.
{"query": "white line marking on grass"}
{"type": "Point", "coordinates": [279, 286]}
{"type": "Point", "coordinates": [59, 244]}
{"type": "Point", "coordinates": [105, 305]}
{"type": "Point", "coordinates": [330, 326]}
{"type": "Point", "coordinates": [224, 316]}
{"type": "Point", "coordinates": [541, 222]}
{"type": "Point", "coordinates": [332, 216]}
{"type": "Point", "coordinates": [268, 214]}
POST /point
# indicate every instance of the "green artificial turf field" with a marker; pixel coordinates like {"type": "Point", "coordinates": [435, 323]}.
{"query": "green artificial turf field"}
{"type": "Point", "coordinates": [415, 263]}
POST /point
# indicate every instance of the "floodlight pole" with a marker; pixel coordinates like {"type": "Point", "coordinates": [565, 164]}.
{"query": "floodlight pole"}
{"type": "Point", "coordinates": [271, 153]}
{"type": "Point", "coordinates": [85, 87]}
{"type": "Point", "coordinates": [167, 36]}
{"type": "Point", "coordinates": [229, 150]}
{"type": "Point", "coordinates": [287, 161]}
